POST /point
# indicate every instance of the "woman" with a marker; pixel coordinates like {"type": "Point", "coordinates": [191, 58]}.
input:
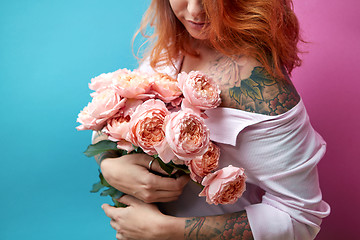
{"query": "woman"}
{"type": "Point", "coordinates": [249, 47]}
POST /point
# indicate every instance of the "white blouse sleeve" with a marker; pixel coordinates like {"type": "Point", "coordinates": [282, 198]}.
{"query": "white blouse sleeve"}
{"type": "Point", "coordinates": [279, 155]}
{"type": "Point", "coordinates": [291, 208]}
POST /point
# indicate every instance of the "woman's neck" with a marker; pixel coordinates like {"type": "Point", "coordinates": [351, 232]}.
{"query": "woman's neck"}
{"type": "Point", "coordinates": [205, 53]}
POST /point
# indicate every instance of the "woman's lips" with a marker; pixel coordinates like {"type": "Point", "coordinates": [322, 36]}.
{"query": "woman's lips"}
{"type": "Point", "coordinates": [196, 25]}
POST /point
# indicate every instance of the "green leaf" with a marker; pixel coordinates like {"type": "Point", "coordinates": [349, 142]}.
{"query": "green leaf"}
{"type": "Point", "coordinates": [262, 77]}
{"type": "Point", "coordinates": [100, 147]}
{"type": "Point", "coordinates": [168, 168]}
{"type": "Point", "coordinates": [183, 168]}
{"type": "Point", "coordinates": [235, 93]}
{"type": "Point", "coordinates": [96, 187]}
{"type": "Point", "coordinates": [118, 194]}
{"type": "Point", "coordinates": [103, 181]}
{"type": "Point", "coordinates": [118, 204]}
{"type": "Point", "coordinates": [108, 192]}
{"type": "Point", "coordinates": [138, 149]}
{"type": "Point", "coordinates": [250, 88]}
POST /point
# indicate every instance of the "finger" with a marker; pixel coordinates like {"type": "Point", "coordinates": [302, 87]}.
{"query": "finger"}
{"type": "Point", "coordinates": [114, 225]}
{"type": "Point", "coordinates": [119, 236]}
{"type": "Point", "coordinates": [144, 160]}
{"type": "Point", "coordinates": [109, 210]}
{"type": "Point", "coordinates": [129, 200]}
{"type": "Point", "coordinates": [141, 158]}
{"type": "Point", "coordinates": [150, 163]}
{"type": "Point", "coordinates": [168, 199]}
{"type": "Point", "coordinates": [160, 195]}
{"type": "Point", "coordinates": [170, 184]}
{"type": "Point", "coordinates": [155, 166]}
{"type": "Point", "coordinates": [183, 180]}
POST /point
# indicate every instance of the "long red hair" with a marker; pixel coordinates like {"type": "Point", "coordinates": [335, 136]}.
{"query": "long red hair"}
{"type": "Point", "coordinates": [267, 30]}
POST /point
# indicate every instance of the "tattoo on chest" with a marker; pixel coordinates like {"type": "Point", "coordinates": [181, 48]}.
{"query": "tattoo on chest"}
{"type": "Point", "coordinates": [258, 93]}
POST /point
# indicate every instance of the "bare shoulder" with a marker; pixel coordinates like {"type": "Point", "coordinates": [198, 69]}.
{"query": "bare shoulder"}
{"type": "Point", "coordinates": [246, 85]}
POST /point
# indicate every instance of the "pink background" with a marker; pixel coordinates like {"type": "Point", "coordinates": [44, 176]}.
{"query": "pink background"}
{"type": "Point", "coordinates": [330, 87]}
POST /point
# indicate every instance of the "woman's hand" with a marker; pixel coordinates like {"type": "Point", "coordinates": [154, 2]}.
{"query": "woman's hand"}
{"type": "Point", "coordinates": [143, 221]}
{"type": "Point", "coordinates": [130, 174]}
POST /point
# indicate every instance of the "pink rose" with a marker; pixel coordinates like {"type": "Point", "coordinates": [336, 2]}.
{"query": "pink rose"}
{"type": "Point", "coordinates": [130, 106]}
{"type": "Point", "coordinates": [166, 88]}
{"type": "Point", "coordinates": [104, 80]}
{"type": "Point", "coordinates": [201, 166]}
{"type": "Point", "coordinates": [187, 136]}
{"type": "Point", "coordinates": [224, 186]}
{"type": "Point", "coordinates": [134, 85]}
{"type": "Point", "coordinates": [125, 145]}
{"type": "Point", "coordinates": [146, 125]}
{"type": "Point", "coordinates": [117, 128]}
{"type": "Point", "coordinates": [199, 90]}
{"type": "Point", "coordinates": [105, 104]}
{"type": "Point", "coordinates": [88, 122]}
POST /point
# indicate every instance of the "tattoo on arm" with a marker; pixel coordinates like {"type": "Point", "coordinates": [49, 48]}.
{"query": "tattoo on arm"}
{"type": "Point", "coordinates": [258, 93]}
{"type": "Point", "coordinates": [261, 93]}
{"type": "Point", "coordinates": [224, 227]}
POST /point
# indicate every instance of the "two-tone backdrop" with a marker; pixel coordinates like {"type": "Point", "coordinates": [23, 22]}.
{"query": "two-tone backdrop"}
{"type": "Point", "coordinates": [49, 51]}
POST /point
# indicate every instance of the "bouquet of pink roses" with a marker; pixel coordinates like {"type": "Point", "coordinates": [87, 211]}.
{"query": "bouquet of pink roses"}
{"type": "Point", "coordinates": [162, 117]}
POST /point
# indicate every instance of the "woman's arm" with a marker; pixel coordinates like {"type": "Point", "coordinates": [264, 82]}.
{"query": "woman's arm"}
{"type": "Point", "coordinates": [246, 85]}
{"type": "Point", "coordinates": [130, 174]}
{"type": "Point", "coordinates": [228, 226]}
{"type": "Point", "coordinates": [144, 221]}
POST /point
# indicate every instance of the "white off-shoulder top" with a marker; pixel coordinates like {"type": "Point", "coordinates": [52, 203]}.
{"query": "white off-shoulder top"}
{"type": "Point", "coordinates": [279, 153]}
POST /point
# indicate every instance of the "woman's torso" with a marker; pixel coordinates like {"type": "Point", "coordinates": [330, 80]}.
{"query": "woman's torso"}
{"type": "Point", "coordinates": [260, 117]}
{"type": "Point", "coordinates": [245, 86]}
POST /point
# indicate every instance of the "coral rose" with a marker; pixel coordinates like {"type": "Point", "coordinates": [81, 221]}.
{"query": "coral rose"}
{"type": "Point", "coordinates": [186, 135]}
{"type": "Point", "coordinates": [117, 128]}
{"type": "Point", "coordinates": [201, 166]}
{"type": "Point", "coordinates": [199, 90]}
{"type": "Point", "coordinates": [146, 125]}
{"type": "Point", "coordinates": [224, 186]}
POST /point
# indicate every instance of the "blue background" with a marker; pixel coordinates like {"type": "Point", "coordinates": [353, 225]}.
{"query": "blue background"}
{"type": "Point", "coordinates": [49, 51]}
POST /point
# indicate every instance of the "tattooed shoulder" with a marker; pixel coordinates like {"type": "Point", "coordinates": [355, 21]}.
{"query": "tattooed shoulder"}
{"type": "Point", "coordinates": [247, 86]}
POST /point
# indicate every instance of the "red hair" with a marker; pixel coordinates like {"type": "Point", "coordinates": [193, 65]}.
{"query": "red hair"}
{"type": "Point", "coordinates": [267, 30]}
